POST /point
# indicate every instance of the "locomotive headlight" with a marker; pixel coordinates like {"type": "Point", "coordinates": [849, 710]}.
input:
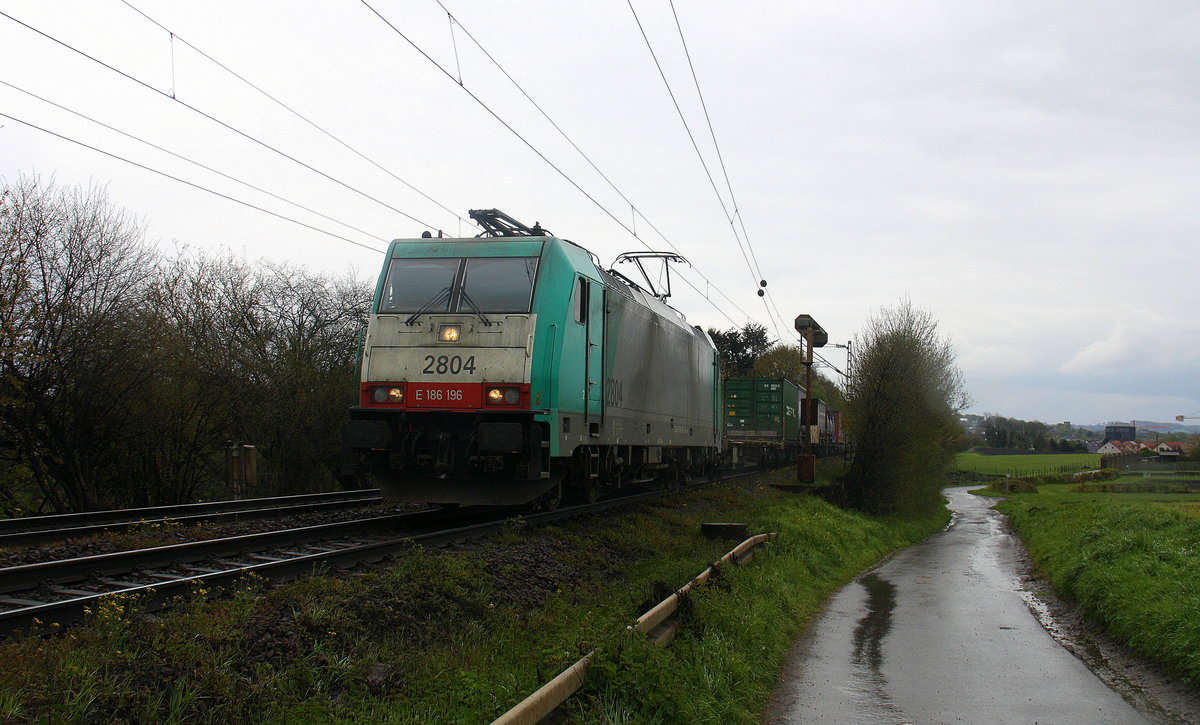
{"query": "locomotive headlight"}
{"type": "Point", "coordinates": [449, 333]}
{"type": "Point", "coordinates": [503, 396]}
{"type": "Point", "coordinates": [384, 394]}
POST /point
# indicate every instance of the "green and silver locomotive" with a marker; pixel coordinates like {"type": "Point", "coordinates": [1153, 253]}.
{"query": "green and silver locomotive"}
{"type": "Point", "coordinates": [511, 368]}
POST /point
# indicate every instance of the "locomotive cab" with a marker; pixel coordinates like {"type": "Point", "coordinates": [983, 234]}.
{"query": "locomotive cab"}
{"type": "Point", "coordinates": [444, 386]}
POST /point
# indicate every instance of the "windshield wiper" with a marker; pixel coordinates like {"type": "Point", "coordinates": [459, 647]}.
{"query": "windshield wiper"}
{"type": "Point", "coordinates": [444, 294]}
{"type": "Point", "coordinates": [475, 308]}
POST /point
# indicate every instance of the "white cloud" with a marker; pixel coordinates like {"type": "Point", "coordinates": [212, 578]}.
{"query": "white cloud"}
{"type": "Point", "coordinates": [1140, 341]}
{"type": "Point", "coordinates": [1102, 356]}
{"type": "Point", "coordinates": [997, 362]}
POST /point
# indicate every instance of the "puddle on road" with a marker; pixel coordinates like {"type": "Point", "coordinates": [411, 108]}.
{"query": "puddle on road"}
{"type": "Point", "coordinates": [868, 635]}
{"type": "Point", "coordinates": [868, 683]}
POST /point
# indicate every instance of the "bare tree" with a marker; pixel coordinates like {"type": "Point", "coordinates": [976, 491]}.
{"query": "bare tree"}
{"type": "Point", "coordinates": [122, 377]}
{"type": "Point", "coordinates": [305, 344]}
{"type": "Point", "coordinates": [187, 410]}
{"type": "Point", "coordinates": [259, 354]}
{"type": "Point", "coordinates": [71, 365]}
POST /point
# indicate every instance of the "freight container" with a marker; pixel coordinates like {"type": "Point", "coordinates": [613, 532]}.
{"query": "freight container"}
{"type": "Point", "coordinates": [762, 410]}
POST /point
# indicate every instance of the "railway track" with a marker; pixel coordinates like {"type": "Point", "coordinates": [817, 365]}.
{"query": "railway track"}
{"type": "Point", "coordinates": [34, 595]}
{"type": "Point", "coordinates": [31, 530]}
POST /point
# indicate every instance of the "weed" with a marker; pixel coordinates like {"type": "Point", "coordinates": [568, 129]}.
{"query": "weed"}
{"type": "Point", "coordinates": [12, 705]}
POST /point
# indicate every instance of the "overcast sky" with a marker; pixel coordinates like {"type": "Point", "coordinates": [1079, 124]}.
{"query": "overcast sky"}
{"type": "Point", "coordinates": [1027, 171]}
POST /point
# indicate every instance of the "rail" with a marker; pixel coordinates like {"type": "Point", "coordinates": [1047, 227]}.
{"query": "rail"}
{"type": "Point", "coordinates": [52, 592]}
{"type": "Point", "coordinates": [37, 529]}
{"type": "Point", "coordinates": [177, 567]}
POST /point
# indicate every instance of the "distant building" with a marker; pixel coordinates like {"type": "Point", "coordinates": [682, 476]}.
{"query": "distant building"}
{"type": "Point", "coordinates": [1116, 448]}
{"type": "Point", "coordinates": [1169, 450]}
{"type": "Point", "coordinates": [1120, 432]}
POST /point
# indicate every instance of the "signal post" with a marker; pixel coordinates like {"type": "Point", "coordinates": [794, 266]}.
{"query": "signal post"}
{"type": "Point", "coordinates": [814, 336]}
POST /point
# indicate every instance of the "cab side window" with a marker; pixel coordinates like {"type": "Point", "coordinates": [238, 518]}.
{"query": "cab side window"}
{"type": "Point", "coordinates": [581, 300]}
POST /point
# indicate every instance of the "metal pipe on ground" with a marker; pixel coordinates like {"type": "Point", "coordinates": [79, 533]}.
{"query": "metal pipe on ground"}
{"type": "Point", "coordinates": [664, 609]}
{"type": "Point", "coordinates": [548, 697]}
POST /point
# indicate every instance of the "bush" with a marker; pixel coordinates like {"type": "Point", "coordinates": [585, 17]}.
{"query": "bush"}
{"type": "Point", "coordinates": [901, 408]}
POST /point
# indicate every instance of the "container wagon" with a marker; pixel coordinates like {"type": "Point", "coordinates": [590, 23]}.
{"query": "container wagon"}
{"type": "Point", "coordinates": [762, 419]}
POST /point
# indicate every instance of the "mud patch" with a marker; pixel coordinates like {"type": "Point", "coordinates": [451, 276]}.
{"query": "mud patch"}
{"type": "Point", "coordinates": [523, 574]}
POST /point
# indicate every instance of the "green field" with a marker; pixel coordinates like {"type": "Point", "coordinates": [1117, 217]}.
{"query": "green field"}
{"type": "Point", "coordinates": [1062, 493]}
{"type": "Point", "coordinates": [1027, 465]}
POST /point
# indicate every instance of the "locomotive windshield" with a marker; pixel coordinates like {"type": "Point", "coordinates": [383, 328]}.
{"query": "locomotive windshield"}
{"type": "Point", "coordinates": [412, 284]}
{"type": "Point", "coordinates": [489, 284]}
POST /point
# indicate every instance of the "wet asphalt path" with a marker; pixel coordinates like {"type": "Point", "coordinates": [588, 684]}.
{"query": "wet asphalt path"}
{"type": "Point", "coordinates": [941, 633]}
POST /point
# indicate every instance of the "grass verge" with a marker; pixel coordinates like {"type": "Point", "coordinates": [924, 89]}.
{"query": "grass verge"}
{"type": "Point", "coordinates": [458, 637]}
{"type": "Point", "coordinates": [1130, 564]}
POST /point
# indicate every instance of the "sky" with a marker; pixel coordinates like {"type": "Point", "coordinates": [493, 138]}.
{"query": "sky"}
{"type": "Point", "coordinates": [1026, 171]}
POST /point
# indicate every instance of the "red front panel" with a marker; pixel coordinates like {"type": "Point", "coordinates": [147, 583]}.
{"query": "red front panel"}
{"type": "Point", "coordinates": [444, 395]}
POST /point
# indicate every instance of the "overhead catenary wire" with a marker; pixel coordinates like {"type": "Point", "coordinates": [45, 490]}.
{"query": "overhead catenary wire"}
{"type": "Point", "coordinates": [287, 108]}
{"type": "Point", "coordinates": [188, 183]}
{"type": "Point", "coordinates": [216, 120]}
{"type": "Point", "coordinates": [192, 161]}
{"type": "Point", "coordinates": [494, 115]}
{"type": "Point", "coordinates": [525, 141]}
{"type": "Point", "coordinates": [716, 146]}
{"type": "Point", "coordinates": [691, 137]}
{"type": "Point", "coordinates": [751, 260]}
{"type": "Point", "coordinates": [632, 228]}
{"type": "Point", "coordinates": [555, 126]}
{"type": "Point", "coordinates": [172, 96]}
{"type": "Point", "coordinates": [219, 122]}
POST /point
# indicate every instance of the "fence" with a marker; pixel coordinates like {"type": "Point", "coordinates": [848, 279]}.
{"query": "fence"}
{"type": "Point", "coordinates": [1042, 471]}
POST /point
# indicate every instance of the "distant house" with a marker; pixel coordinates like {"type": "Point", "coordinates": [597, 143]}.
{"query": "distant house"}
{"type": "Point", "coordinates": [1116, 448]}
{"type": "Point", "coordinates": [1169, 449]}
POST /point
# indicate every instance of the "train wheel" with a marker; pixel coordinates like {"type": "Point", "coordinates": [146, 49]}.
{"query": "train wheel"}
{"type": "Point", "coordinates": [552, 499]}
{"type": "Point", "coordinates": [672, 477]}
{"type": "Point", "coordinates": [583, 486]}
{"type": "Point", "coordinates": [591, 490]}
